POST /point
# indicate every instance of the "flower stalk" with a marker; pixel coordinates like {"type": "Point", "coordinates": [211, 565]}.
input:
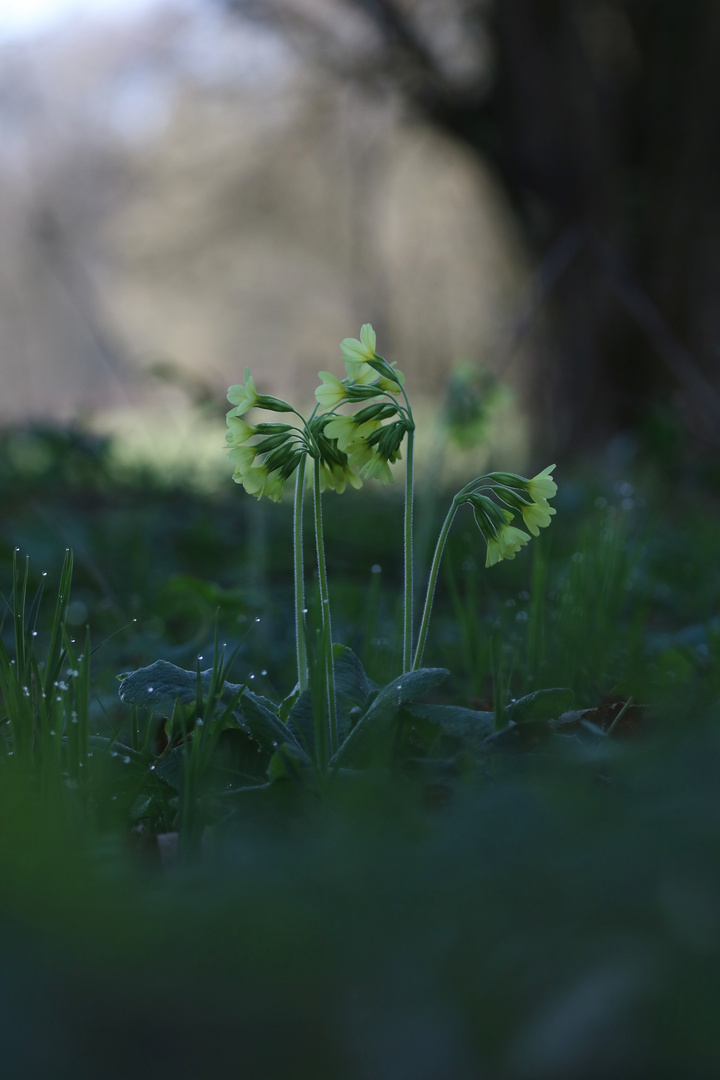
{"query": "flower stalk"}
{"type": "Point", "coordinates": [325, 609]}
{"type": "Point", "coordinates": [299, 577]}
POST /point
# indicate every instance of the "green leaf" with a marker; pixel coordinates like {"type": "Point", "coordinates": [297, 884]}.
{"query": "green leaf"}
{"type": "Point", "coordinates": [353, 690]}
{"type": "Point", "coordinates": [288, 763]}
{"type": "Point", "coordinates": [378, 721]}
{"type": "Point", "coordinates": [540, 705]}
{"type": "Point", "coordinates": [160, 685]}
{"type": "Point", "coordinates": [262, 723]}
{"type": "Point", "coordinates": [468, 726]}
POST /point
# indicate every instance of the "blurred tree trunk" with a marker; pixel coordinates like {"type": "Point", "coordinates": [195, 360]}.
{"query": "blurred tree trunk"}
{"type": "Point", "coordinates": [600, 117]}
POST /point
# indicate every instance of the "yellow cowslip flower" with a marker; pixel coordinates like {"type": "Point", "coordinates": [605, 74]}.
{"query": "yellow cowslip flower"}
{"type": "Point", "coordinates": [332, 392]}
{"type": "Point", "coordinates": [359, 352]}
{"type": "Point", "coordinates": [346, 431]}
{"type": "Point", "coordinates": [505, 545]}
{"type": "Point", "coordinates": [378, 469]}
{"type": "Point", "coordinates": [542, 486]}
{"type": "Point", "coordinates": [238, 431]}
{"type": "Point", "coordinates": [536, 515]}
{"type": "Point", "coordinates": [242, 457]}
{"type": "Point", "coordinates": [243, 395]}
{"type": "Point", "coordinates": [258, 481]}
{"type": "Point", "coordinates": [337, 477]}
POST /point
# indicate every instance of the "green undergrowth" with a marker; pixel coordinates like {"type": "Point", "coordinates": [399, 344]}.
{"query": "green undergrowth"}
{"type": "Point", "coordinates": [509, 866]}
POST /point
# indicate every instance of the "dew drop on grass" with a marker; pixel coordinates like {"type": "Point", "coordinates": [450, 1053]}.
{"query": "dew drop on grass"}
{"type": "Point", "coordinates": [152, 768]}
{"type": "Point", "coordinates": [113, 753]}
{"type": "Point", "coordinates": [151, 689]}
{"type": "Point", "coordinates": [126, 760]}
{"type": "Point", "coordinates": [199, 722]}
{"type": "Point", "coordinates": [252, 676]}
{"type": "Point", "coordinates": [264, 671]}
{"type": "Point", "coordinates": [200, 658]}
{"type": "Point", "coordinates": [52, 732]}
{"type": "Point", "coordinates": [257, 619]}
{"type": "Point", "coordinates": [44, 573]}
{"type": "Point", "coordinates": [304, 611]}
{"type": "Point", "coordinates": [34, 633]}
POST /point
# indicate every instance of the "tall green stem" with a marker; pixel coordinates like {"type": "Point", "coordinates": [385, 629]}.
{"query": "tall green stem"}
{"type": "Point", "coordinates": [325, 609]}
{"type": "Point", "coordinates": [300, 642]}
{"type": "Point", "coordinates": [432, 581]}
{"type": "Point", "coordinates": [408, 569]}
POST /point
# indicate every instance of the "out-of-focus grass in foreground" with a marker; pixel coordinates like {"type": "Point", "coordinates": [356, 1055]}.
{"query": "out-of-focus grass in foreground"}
{"type": "Point", "coordinates": [553, 911]}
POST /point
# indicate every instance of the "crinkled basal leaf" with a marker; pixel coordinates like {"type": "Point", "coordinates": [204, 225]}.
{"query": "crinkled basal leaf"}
{"type": "Point", "coordinates": [540, 705]}
{"type": "Point", "coordinates": [468, 726]}
{"type": "Point", "coordinates": [352, 689]}
{"type": "Point", "coordinates": [160, 685]}
{"type": "Point", "coordinates": [377, 722]}
{"type": "Point", "coordinates": [260, 722]}
{"type": "Point", "coordinates": [352, 685]}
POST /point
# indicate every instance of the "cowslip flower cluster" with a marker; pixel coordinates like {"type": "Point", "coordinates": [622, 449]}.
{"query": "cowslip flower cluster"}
{"type": "Point", "coordinates": [266, 455]}
{"type": "Point", "coordinates": [371, 445]}
{"type": "Point", "coordinates": [516, 495]}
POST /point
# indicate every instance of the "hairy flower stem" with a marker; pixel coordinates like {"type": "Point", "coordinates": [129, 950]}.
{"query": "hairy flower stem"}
{"type": "Point", "coordinates": [432, 580]}
{"type": "Point", "coordinates": [408, 568]}
{"type": "Point", "coordinates": [325, 609]}
{"type": "Point", "coordinates": [300, 642]}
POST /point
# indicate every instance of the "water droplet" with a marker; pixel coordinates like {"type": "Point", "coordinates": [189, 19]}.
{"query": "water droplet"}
{"type": "Point", "coordinates": [126, 760]}
{"type": "Point", "coordinates": [264, 671]}
{"type": "Point", "coordinates": [72, 640]}
{"type": "Point", "coordinates": [34, 633]}
{"type": "Point", "coordinates": [199, 657]}
{"type": "Point", "coordinates": [151, 689]}
{"type": "Point", "coordinates": [252, 676]}
{"type": "Point", "coordinates": [113, 753]}
{"type": "Point", "coordinates": [113, 798]}
{"type": "Point", "coordinates": [274, 743]}
{"type": "Point", "coordinates": [376, 568]}
{"type": "Point", "coordinates": [52, 732]}
{"type": "Point", "coordinates": [26, 691]}
{"type": "Point", "coordinates": [134, 620]}
{"type": "Point", "coordinates": [44, 573]}
{"type": "Point", "coordinates": [90, 753]}
{"type": "Point", "coordinates": [152, 768]}
{"type": "Point", "coordinates": [257, 619]}
{"type": "Point", "coordinates": [199, 721]}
